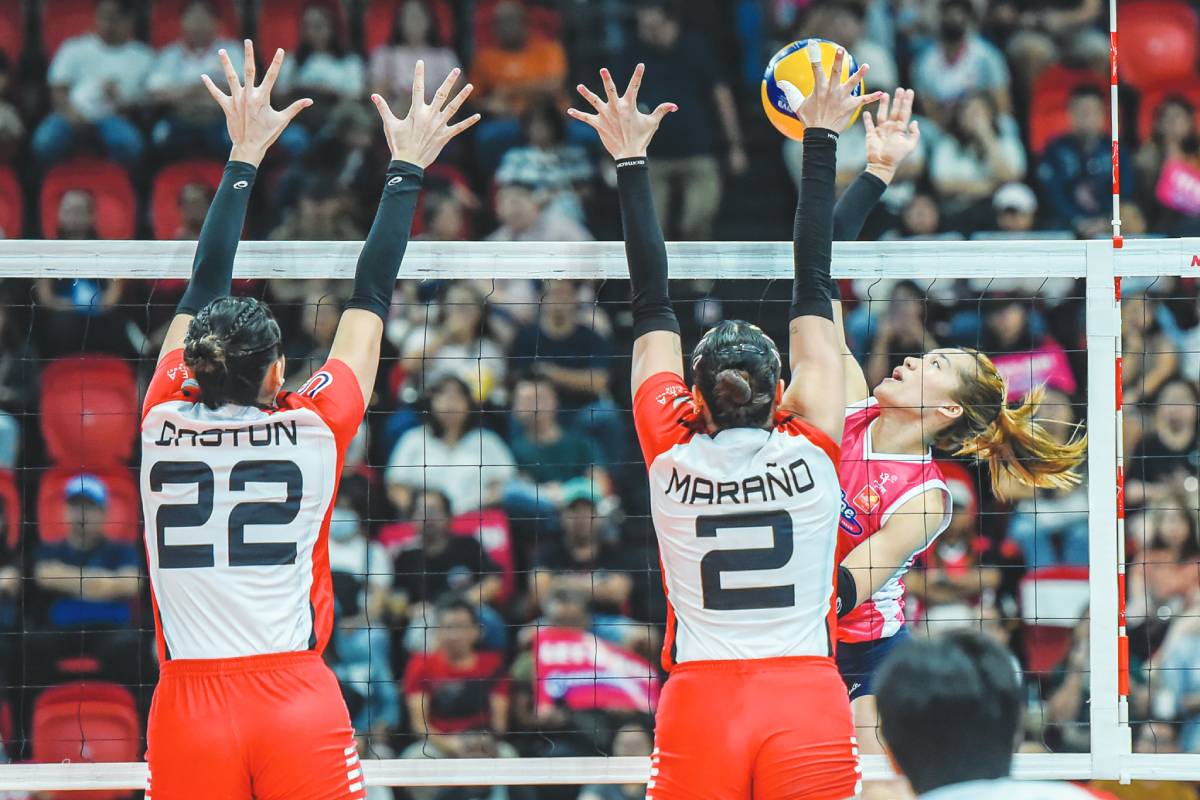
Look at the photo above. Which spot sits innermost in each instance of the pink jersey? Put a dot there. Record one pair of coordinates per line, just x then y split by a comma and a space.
874, 486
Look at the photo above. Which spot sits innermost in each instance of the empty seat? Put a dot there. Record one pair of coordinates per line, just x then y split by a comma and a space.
12, 30
89, 411
123, 518
1053, 600
12, 205
86, 723
63, 19
279, 24
380, 17
165, 14
1158, 41
10, 496
169, 183
116, 203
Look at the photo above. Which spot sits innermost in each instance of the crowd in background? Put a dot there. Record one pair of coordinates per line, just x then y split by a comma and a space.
492, 526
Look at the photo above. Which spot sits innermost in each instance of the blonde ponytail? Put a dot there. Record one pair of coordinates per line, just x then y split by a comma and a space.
1014, 445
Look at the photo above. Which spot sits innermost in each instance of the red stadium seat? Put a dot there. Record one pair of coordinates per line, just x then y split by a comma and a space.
12, 205
10, 495
89, 411
165, 14
116, 203
542, 21
1153, 98
169, 182
12, 30
62, 19
1053, 600
489, 525
1048, 116
86, 723
123, 507
279, 24
381, 14
1158, 41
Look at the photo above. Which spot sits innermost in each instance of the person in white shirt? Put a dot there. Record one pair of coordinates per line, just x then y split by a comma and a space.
961, 62
95, 78
950, 714
414, 37
190, 125
323, 67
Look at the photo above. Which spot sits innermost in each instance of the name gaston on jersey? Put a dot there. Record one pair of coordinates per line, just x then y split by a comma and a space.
272, 433
778, 481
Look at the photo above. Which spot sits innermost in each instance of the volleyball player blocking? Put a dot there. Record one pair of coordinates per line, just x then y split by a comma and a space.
743, 473
239, 478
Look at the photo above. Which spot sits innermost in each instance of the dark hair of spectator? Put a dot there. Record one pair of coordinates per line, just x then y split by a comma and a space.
337, 40
1177, 380
450, 603
991, 341
959, 131
480, 305
545, 111
736, 368
125, 7
949, 709
425, 494
1085, 90
229, 347
432, 34
530, 376
1191, 545
208, 5
441, 384
965, 6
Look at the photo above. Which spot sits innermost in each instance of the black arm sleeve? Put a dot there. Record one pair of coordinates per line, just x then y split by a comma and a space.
855, 205
379, 261
645, 250
212, 269
847, 592
812, 239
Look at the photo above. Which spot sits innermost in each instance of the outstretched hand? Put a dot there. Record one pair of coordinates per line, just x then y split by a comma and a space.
892, 134
425, 130
624, 130
253, 124
831, 104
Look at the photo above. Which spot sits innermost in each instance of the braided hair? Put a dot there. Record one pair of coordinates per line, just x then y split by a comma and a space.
229, 347
736, 368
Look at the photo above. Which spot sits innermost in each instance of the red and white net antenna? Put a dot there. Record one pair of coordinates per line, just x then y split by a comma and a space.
1117, 242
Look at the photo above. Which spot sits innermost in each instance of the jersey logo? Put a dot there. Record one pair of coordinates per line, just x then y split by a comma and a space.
868, 499
849, 521
316, 384
180, 371
670, 392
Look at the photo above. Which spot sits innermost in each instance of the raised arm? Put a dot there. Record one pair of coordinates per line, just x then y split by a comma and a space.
626, 133
415, 142
816, 393
253, 127
889, 141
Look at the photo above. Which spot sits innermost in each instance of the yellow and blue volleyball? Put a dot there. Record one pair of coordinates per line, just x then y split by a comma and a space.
794, 65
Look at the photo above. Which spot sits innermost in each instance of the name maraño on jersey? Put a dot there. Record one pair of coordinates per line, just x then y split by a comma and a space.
267, 434
786, 481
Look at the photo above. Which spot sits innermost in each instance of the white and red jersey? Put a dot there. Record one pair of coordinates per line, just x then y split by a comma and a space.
874, 486
1010, 789
747, 530
237, 503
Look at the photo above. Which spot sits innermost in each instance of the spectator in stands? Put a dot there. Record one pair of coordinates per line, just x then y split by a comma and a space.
1169, 452
189, 125
845, 22
311, 340
901, 331
686, 148
323, 68
12, 128
445, 216
451, 337
1176, 676
414, 38
1016, 207
1041, 35
87, 578
961, 63
319, 215
1162, 576
981, 150
519, 68
1024, 354
631, 740
524, 192
1076, 168
450, 453
1150, 357
546, 148
96, 79
1169, 163
921, 219
360, 646
547, 454
454, 687
10, 573
194, 200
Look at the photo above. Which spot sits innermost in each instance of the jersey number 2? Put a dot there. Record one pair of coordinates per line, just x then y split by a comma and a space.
716, 562
194, 515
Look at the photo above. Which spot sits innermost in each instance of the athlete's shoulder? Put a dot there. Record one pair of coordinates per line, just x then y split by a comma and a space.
792, 425
172, 381
333, 393
664, 413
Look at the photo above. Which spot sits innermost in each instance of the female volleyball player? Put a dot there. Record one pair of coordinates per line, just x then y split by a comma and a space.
238, 482
895, 502
744, 494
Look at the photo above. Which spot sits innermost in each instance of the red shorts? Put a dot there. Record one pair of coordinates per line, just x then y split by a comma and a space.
270, 727
768, 729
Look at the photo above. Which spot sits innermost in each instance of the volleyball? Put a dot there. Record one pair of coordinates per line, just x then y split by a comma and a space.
791, 68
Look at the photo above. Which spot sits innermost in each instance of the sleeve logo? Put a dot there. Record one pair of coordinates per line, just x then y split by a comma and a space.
316, 384
241, 184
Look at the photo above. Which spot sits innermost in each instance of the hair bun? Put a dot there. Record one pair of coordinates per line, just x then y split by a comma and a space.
207, 353
733, 387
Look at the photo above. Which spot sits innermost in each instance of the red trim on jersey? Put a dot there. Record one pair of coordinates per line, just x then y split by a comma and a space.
668, 651
797, 425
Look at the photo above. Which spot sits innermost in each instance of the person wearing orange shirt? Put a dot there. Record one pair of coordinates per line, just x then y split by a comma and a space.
518, 67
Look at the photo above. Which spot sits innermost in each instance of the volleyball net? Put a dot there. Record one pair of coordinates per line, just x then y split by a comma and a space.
499, 600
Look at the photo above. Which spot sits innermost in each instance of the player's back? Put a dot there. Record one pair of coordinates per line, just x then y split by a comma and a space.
746, 522
237, 501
